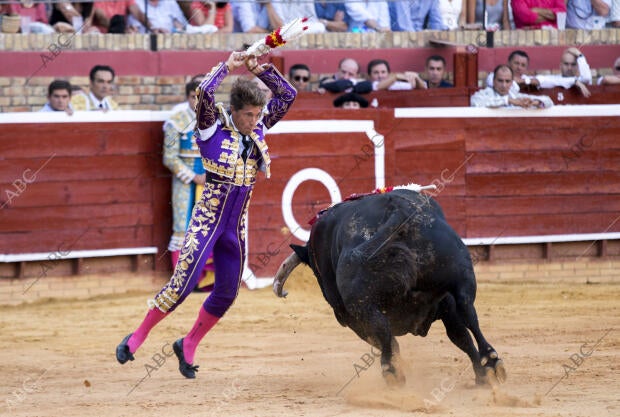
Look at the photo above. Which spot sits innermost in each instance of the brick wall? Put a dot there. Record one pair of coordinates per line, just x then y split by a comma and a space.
136, 92
227, 42
24, 290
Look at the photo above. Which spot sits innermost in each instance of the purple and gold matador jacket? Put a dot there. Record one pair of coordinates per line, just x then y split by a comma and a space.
220, 147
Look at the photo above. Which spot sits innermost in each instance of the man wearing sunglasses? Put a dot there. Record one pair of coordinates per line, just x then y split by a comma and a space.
299, 76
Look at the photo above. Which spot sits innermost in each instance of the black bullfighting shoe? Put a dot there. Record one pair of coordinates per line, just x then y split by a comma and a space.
187, 370
123, 354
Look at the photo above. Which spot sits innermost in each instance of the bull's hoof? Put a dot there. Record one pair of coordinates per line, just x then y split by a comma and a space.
493, 370
393, 376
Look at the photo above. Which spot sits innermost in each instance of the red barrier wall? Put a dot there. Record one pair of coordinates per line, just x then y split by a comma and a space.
100, 184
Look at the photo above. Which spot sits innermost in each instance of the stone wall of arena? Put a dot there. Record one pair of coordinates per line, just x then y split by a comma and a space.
154, 80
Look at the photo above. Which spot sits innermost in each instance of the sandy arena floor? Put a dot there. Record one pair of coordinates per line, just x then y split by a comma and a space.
272, 357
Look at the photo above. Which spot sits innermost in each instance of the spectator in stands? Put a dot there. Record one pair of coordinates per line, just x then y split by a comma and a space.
350, 101
536, 14
453, 13
33, 16
614, 14
65, 14
163, 17
252, 17
368, 16
518, 61
101, 87
347, 79
58, 97
111, 16
286, 11
332, 15
299, 76
574, 71
383, 79
436, 72
185, 104
218, 14
500, 94
414, 16
497, 12
612, 78
587, 14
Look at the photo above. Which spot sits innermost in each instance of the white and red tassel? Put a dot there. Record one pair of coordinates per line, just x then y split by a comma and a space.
279, 37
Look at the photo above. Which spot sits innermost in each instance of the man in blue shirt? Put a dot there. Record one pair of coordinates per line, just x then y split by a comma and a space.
409, 16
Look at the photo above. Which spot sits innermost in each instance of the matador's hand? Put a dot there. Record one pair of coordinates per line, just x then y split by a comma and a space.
235, 60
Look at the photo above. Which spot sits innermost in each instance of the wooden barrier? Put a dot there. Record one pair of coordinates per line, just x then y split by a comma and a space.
96, 181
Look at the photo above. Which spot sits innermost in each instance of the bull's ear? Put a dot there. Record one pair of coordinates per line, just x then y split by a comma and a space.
302, 252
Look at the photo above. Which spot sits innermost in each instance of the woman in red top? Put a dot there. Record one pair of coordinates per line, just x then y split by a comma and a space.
218, 14
534, 14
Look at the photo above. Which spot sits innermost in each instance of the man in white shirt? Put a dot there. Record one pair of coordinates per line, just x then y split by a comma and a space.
500, 95
368, 16
612, 78
587, 14
164, 16
574, 71
518, 61
284, 11
383, 79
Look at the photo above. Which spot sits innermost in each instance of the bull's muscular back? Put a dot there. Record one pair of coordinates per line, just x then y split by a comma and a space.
394, 250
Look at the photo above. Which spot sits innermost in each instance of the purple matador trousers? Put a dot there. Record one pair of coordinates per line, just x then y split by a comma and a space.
217, 225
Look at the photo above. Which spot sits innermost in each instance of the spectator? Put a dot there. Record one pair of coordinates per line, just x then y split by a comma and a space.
436, 72
518, 61
414, 16
453, 13
500, 94
614, 14
347, 79
332, 15
111, 16
587, 14
497, 12
182, 157
383, 79
58, 97
282, 12
536, 14
252, 17
34, 17
218, 14
185, 104
163, 16
574, 71
65, 14
612, 78
350, 101
365, 16
299, 77
101, 87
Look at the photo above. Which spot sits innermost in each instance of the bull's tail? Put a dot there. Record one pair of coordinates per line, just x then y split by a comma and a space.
299, 255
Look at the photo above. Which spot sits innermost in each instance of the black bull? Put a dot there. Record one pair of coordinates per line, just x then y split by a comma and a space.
389, 264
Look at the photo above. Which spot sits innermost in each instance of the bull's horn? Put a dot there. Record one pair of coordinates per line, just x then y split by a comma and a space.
284, 271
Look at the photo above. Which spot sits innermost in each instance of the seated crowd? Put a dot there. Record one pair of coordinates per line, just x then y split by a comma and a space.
505, 86
170, 16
